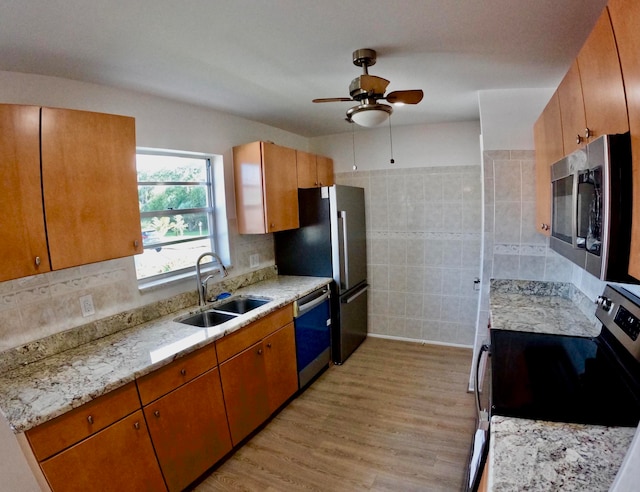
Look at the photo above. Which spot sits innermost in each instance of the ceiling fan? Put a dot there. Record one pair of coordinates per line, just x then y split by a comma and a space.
367, 90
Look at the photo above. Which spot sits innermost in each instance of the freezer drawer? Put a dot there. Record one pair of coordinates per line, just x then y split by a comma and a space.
352, 329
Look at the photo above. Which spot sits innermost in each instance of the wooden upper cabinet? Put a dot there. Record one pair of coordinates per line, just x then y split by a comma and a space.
314, 170
324, 170
547, 134
601, 79
306, 166
89, 182
592, 95
266, 186
23, 248
572, 112
625, 18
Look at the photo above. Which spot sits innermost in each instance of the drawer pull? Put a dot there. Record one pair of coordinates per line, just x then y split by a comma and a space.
90, 419
183, 372
136, 425
269, 345
260, 351
157, 413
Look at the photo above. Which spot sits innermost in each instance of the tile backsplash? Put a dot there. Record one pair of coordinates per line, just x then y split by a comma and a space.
424, 250
39, 306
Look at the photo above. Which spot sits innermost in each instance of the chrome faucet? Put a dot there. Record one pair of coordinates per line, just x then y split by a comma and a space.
202, 284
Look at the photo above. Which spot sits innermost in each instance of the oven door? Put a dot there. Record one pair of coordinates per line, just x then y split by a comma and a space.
480, 443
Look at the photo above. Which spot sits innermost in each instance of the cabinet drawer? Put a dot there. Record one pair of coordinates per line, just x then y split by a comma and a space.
167, 378
236, 342
70, 428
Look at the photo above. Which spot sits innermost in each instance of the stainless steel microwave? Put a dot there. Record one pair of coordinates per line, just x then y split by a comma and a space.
591, 207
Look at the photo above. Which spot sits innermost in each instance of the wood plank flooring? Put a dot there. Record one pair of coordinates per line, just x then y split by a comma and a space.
395, 417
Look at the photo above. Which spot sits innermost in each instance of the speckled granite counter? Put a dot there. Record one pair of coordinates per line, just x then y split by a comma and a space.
548, 456
42, 390
542, 307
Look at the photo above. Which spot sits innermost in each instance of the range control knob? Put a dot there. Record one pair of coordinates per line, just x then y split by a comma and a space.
604, 303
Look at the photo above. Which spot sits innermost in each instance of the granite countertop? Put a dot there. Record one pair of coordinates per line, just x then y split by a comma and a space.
43, 390
542, 307
543, 456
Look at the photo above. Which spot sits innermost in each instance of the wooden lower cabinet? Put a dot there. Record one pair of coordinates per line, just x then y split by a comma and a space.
244, 382
258, 380
119, 457
280, 366
189, 429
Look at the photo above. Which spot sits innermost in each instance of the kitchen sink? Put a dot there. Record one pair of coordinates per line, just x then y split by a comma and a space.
241, 305
206, 319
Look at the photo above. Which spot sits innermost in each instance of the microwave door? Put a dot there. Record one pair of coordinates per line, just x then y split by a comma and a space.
586, 199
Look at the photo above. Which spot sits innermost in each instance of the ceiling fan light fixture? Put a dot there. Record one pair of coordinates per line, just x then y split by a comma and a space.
369, 115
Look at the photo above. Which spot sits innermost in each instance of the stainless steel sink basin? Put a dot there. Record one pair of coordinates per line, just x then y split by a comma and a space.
206, 319
241, 305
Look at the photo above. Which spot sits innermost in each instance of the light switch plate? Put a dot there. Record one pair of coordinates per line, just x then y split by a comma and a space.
86, 305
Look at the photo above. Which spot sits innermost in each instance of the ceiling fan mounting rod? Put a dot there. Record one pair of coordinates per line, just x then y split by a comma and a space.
364, 58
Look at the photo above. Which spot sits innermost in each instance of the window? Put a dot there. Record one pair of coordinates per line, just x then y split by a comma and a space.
177, 212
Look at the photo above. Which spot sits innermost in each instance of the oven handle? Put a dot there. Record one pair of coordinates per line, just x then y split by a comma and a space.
483, 416
304, 308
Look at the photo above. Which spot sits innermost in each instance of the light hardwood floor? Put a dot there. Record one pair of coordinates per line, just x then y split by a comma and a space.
395, 417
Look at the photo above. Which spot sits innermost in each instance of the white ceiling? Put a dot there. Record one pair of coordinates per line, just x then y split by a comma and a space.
266, 59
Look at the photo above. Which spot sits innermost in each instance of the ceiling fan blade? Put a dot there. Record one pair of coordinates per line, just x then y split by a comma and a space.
332, 99
406, 97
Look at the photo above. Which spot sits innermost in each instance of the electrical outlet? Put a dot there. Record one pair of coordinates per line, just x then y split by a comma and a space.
86, 305
254, 261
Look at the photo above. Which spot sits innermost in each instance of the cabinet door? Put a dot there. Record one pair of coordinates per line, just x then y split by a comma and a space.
280, 187
601, 79
189, 429
324, 169
280, 364
23, 249
625, 17
119, 457
244, 384
247, 173
306, 168
547, 134
572, 113
90, 186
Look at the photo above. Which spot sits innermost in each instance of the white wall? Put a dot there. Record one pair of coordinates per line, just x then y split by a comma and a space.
507, 117
444, 144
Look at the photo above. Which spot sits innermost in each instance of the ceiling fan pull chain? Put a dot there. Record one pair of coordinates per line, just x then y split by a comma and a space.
391, 161
353, 142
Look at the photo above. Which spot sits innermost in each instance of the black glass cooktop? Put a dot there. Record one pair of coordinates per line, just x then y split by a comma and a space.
562, 378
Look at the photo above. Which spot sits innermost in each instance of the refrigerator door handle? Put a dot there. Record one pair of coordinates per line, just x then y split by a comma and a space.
483, 414
356, 295
344, 253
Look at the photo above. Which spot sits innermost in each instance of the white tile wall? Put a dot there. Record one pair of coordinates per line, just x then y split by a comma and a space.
424, 244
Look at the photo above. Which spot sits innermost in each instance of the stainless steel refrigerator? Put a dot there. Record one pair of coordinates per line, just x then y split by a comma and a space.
331, 242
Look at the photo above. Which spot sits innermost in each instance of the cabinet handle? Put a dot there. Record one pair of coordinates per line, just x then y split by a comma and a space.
544, 227
90, 419
587, 133
136, 243
260, 351
157, 413
136, 425
578, 139
37, 261
272, 225
268, 345
183, 372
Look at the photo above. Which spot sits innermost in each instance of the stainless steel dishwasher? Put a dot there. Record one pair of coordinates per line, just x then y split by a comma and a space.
312, 321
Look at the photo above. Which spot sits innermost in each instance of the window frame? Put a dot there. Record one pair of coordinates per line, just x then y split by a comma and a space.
214, 211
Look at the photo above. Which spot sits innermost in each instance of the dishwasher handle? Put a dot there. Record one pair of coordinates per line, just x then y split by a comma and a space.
305, 307
483, 414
